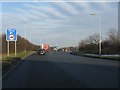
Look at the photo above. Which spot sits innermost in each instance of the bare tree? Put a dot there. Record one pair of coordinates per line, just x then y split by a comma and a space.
82, 43
90, 44
110, 45
113, 36
93, 39
114, 40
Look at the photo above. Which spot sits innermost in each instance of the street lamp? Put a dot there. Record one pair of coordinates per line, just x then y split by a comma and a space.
100, 50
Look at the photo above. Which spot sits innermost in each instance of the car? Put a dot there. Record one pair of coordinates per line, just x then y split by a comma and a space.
73, 52
41, 52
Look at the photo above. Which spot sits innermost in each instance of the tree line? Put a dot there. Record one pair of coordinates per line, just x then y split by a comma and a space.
22, 44
110, 45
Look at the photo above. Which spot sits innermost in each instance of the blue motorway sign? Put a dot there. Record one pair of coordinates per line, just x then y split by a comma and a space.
11, 34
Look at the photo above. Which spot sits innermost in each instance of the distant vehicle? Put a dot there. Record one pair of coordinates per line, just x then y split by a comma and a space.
41, 52
73, 52
45, 47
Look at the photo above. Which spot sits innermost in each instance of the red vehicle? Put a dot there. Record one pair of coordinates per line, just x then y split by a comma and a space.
45, 47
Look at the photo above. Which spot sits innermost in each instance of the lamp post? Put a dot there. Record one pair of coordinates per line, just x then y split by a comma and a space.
100, 50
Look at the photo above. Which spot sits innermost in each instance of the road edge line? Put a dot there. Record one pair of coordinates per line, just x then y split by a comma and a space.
16, 65
28, 55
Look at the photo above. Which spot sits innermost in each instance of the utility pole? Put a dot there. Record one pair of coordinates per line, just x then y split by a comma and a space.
100, 36
100, 45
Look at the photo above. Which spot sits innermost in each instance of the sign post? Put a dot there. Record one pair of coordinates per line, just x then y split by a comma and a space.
8, 49
15, 48
11, 36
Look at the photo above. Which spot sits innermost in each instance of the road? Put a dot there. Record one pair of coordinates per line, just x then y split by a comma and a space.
63, 70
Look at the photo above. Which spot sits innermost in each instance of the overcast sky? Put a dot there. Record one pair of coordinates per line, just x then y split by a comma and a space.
59, 23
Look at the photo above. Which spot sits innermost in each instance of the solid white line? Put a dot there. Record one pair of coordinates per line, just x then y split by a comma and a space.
16, 65
28, 55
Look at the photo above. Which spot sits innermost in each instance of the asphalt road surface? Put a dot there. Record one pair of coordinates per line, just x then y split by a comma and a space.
63, 70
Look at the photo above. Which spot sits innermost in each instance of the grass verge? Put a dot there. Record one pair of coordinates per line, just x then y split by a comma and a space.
117, 58
9, 62
18, 55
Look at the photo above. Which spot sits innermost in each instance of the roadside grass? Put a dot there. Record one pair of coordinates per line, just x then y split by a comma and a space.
9, 62
18, 55
0, 57
112, 57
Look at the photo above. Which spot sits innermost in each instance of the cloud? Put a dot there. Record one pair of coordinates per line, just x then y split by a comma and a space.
50, 11
61, 0
66, 7
63, 23
31, 14
84, 6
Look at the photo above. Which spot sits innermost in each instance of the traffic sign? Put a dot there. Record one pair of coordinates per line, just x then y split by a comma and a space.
11, 34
